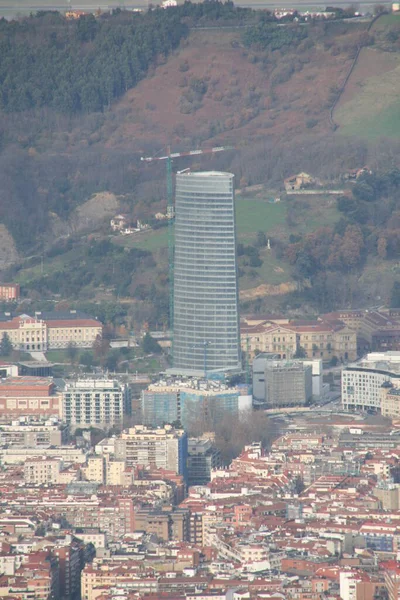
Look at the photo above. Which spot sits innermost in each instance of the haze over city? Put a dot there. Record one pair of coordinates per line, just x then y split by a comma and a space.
199, 300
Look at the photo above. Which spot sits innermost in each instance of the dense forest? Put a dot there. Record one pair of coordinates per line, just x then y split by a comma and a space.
81, 64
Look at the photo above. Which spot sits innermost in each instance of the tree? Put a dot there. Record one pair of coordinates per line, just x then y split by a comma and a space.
86, 359
150, 345
298, 485
6, 346
261, 241
300, 353
395, 295
72, 352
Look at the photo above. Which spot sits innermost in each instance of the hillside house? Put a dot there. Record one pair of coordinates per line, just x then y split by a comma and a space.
299, 181
119, 222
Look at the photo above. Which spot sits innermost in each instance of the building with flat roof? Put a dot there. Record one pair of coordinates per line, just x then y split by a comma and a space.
28, 396
287, 383
95, 402
362, 382
34, 434
162, 448
203, 457
206, 324
191, 400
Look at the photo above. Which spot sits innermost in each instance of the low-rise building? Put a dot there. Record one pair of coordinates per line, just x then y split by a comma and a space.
34, 434
50, 330
9, 292
29, 397
320, 339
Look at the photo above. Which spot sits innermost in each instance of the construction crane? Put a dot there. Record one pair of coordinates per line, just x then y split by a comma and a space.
170, 210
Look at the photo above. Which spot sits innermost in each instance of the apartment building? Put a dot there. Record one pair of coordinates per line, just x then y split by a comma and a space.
365, 383
168, 524
28, 396
165, 448
33, 434
94, 402
319, 339
41, 470
50, 330
390, 400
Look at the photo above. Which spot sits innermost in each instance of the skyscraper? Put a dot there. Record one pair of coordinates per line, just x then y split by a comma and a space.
206, 324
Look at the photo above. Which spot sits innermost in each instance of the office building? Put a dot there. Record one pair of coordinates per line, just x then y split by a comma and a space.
259, 365
203, 457
287, 383
189, 401
162, 448
206, 325
98, 403
362, 382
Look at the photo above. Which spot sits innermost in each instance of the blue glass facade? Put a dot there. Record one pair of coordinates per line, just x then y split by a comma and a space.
206, 324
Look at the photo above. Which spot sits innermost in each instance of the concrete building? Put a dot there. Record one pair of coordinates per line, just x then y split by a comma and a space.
42, 470
362, 382
164, 448
34, 434
203, 457
390, 400
168, 524
189, 400
28, 397
287, 384
94, 402
95, 470
68, 454
206, 324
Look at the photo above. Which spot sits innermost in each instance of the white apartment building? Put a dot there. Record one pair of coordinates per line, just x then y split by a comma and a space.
362, 382
92, 402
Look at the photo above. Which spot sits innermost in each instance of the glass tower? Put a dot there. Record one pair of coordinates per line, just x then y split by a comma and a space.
206, 324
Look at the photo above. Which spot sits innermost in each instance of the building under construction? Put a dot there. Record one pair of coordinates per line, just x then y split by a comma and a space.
287, 383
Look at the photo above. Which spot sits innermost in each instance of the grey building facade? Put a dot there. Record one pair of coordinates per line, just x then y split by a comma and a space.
206, 323
287, 384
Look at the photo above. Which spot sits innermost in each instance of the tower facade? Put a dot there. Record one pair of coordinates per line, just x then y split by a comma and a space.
206, 323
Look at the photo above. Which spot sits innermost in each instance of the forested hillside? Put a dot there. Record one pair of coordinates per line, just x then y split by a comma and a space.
82, 100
